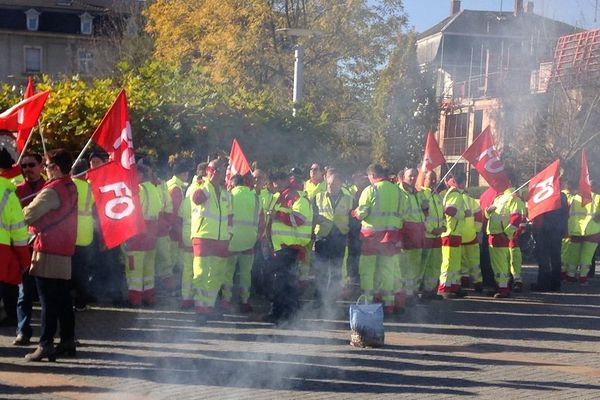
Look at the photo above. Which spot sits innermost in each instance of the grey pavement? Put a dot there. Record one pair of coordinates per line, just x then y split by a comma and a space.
528, 346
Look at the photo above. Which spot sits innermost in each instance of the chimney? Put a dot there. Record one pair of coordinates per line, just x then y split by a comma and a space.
518, 7
454, 7
529, 8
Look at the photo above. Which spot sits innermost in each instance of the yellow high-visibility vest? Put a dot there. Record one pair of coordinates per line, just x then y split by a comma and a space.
85, 220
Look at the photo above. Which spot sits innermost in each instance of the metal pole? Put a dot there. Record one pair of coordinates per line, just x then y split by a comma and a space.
298, 76
82, 151
24, 148
42, 137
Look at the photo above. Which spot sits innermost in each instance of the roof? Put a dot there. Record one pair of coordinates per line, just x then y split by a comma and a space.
496, 23
97, 6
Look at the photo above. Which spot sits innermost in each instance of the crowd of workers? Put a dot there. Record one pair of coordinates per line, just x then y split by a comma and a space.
218, 239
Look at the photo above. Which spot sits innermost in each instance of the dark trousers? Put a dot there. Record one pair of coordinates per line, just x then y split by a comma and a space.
27, 290
547, 252
286, 296
9, 294
329, 256
80, 275
484, 262
107, 272
57, 306
354, 246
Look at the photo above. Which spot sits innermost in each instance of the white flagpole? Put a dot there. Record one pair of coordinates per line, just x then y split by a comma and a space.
24, 148
42, 137
82, 152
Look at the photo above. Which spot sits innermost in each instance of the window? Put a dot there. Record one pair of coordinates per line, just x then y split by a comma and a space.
33, 19
86, 24
455, 134
85, 61
33, 60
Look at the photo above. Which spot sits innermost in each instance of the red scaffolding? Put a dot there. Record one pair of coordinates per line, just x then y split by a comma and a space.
577, 56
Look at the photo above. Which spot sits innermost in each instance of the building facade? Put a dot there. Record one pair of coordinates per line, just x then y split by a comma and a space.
61, 37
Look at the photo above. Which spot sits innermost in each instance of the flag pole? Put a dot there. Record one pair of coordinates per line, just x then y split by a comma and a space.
521, 187
82, 152
42, 137
24, 148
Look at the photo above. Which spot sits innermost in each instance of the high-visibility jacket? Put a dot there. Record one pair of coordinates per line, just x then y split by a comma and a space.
245, 206
85, 220
413, 229
176, 189
333, 214
472, 223
435, 218
581, 219
379, 209
14, 251
185, 213
210, 219
507, 214
166, 210
151, 202
292, 223
454, 211
267, 200
312, 188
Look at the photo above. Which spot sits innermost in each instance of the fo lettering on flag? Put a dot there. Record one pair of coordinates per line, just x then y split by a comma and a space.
115, 184
585, 186
544, 191
482, 154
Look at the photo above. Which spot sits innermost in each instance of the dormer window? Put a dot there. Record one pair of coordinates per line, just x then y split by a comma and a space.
86, 23
33, 19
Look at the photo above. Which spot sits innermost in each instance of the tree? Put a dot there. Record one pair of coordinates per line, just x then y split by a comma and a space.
404, 108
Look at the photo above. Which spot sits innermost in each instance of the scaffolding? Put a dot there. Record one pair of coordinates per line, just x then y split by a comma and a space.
577, 58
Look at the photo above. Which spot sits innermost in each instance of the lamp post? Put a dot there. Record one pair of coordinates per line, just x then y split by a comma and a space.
298, 61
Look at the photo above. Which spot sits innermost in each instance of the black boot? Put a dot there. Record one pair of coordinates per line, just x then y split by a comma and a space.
42, 352
66, 347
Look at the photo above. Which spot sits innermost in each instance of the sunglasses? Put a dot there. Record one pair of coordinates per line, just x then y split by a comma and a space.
29, 165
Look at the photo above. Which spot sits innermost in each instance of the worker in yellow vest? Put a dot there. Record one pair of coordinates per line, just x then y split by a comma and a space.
516, 258
263, 248
566, 241
165, 260
331, 211
584, 233
413, 237
455, 213
246, 209
470, 269
435, 225
504, 217
176, 187
379, 212
211, 209
316, 183
291, 231
141, 249
82, 257
14, 251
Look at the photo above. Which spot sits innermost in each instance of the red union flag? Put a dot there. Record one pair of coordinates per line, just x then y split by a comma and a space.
117, 198
114, 133
433, 157
238, 163
585, 186
115, 184
544, 191
23, 133
25, 114
482, 154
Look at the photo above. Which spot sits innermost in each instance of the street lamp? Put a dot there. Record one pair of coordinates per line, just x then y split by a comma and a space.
299, 60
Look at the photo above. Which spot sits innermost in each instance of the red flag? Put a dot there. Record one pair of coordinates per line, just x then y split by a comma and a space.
23, 134
432, 158
25, 114
482, 154
116, 192
544, 191
114, 133
238, 163
585, 186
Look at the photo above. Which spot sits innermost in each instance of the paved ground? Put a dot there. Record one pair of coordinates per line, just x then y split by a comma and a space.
530, 346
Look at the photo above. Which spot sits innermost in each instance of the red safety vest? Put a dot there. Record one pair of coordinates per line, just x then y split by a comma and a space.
57, 230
